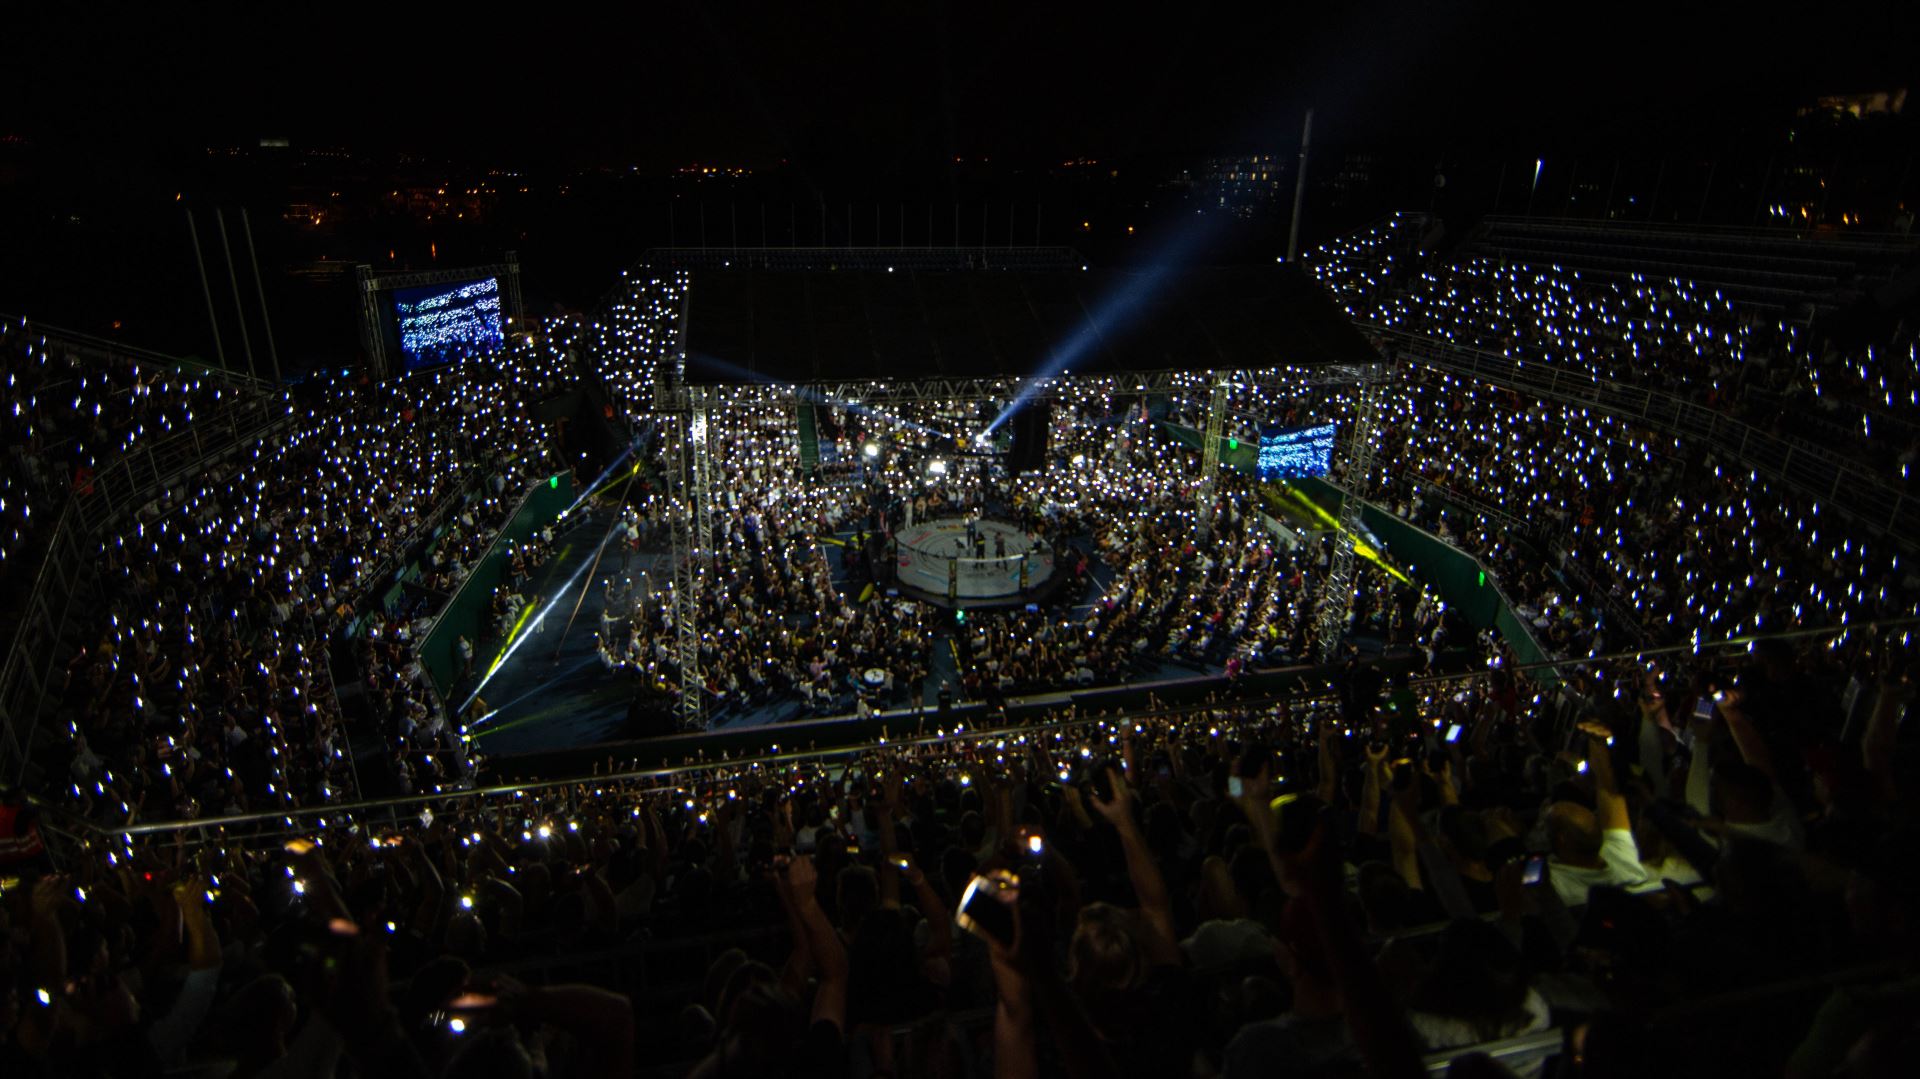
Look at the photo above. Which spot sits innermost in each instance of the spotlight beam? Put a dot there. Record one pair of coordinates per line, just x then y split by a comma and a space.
1136, 293
528, 624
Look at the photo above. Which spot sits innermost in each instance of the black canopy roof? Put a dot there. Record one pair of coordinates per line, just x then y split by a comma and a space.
798, 326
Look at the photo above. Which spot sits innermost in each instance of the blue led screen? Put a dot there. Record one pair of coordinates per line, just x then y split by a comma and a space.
1296, 451
443, 323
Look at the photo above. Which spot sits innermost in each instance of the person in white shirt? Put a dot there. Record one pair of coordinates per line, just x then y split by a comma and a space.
1594, 846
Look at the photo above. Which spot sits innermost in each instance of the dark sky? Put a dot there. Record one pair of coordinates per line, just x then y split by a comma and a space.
823, 80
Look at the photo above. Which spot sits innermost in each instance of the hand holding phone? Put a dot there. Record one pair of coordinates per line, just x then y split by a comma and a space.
987, 908
1535, 869
1703, 709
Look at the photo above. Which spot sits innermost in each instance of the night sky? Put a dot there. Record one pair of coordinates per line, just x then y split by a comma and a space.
826, 85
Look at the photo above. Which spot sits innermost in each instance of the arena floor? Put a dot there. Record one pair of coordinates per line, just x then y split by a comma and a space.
554, 693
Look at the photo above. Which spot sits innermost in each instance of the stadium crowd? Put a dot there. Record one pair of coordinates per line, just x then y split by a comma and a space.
1621, 533
1811, 378
1332, 885
206, 685
1697, 864
68, 412
1209, 591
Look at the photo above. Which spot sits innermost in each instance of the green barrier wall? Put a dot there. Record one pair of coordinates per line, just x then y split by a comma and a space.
545, 501
1457, 576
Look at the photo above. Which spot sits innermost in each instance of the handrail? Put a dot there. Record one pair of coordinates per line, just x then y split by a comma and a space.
1637, 655
1475, 505
62, 553
424, 526
1540, 1043
146, 467
1889, 240
34, 651
105, 347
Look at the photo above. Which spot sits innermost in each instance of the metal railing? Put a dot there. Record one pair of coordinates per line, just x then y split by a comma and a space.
1769, 267
1866, 242
34, 658
121, 486
88, 346
384, 571
1827, 477
282, 822
1526, 532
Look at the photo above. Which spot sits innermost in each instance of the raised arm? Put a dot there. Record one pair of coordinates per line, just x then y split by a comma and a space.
1753, 748
1142, 870
1387, 1044
1608, 803
1015, 1048
830, 1001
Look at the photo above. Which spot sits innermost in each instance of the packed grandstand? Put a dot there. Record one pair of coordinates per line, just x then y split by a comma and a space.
1599, 769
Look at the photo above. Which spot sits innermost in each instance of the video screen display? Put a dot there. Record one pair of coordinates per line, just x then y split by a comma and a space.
1295, 452
444, 323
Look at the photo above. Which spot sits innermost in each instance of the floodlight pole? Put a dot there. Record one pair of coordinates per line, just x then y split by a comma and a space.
233, 281
1299, 190
273, 354
213, 320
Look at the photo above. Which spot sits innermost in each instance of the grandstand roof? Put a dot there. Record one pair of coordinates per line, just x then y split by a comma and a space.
800, 326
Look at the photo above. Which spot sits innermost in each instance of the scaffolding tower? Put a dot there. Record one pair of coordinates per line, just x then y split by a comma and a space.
1210, 447
689, 500
1336, 593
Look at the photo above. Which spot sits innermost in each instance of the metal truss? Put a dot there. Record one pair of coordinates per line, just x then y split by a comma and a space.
882, 392
1336, 593
686, 584
1210, 447
371, 337
867, 258
1333, 374
878, 392
388, 282
700, 468
688, 493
